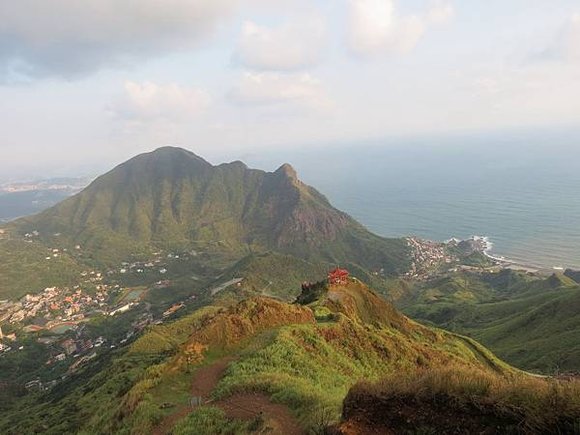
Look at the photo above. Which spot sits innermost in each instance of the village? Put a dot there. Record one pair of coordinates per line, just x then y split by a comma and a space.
59, 318
56, 307
427, 257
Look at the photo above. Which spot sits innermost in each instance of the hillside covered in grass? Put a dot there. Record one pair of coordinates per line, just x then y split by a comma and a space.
533, 322
171, 197
296, 362
29, 267
171, 200
459, 401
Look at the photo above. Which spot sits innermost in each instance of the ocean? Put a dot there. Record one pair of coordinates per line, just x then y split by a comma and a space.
522, 194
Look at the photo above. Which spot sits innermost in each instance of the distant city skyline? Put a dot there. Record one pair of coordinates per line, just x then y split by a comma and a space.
234, 78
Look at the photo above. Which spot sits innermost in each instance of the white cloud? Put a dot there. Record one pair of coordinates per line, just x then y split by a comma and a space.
571, 38
147, 101
564, 46
377, 27
71, 38
293, 45
299, 91
440, 12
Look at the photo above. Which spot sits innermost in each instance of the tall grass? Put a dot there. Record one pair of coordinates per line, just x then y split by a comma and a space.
209, 420
538, 405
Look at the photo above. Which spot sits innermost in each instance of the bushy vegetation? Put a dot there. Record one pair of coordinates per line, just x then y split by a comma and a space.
477, 259
276, 274
310, 368
438, 399
110, 396
312, 292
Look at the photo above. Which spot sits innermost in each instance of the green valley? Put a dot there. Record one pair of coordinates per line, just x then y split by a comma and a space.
532, 321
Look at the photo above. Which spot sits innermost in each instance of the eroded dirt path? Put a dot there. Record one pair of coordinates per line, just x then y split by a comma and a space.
207, 377
244, 406
171, 420
247, 406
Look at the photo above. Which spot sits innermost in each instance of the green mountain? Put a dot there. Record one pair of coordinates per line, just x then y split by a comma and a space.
171, 197
174, 200
532, 322
256, 364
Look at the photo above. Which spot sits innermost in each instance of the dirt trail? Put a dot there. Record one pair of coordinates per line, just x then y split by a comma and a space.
206, 378
204, 381
247, 406
243, 406
171, 420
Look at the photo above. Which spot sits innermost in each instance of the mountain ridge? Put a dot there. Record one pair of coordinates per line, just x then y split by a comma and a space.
174, 199
302, 357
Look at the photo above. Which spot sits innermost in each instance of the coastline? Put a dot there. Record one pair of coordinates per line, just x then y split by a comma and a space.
507, 263
486, 247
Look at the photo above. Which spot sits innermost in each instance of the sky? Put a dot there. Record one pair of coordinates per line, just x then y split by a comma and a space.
85, 84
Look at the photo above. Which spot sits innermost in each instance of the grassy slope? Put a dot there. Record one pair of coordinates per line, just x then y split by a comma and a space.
460, 401
93, 399
532, 323
280, 349
274, 274
172, 200
310, 367
25, 269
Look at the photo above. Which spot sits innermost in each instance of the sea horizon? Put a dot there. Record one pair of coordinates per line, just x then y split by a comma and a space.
521, 194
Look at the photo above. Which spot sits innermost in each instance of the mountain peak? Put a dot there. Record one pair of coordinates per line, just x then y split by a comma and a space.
287, 170
171, 197
172, 151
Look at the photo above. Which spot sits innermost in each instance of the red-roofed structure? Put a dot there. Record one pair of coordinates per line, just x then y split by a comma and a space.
338, 276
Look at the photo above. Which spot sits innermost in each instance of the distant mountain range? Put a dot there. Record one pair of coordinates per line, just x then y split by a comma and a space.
70, 184
19, 199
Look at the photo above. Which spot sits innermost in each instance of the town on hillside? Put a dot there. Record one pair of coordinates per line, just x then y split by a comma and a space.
61, 319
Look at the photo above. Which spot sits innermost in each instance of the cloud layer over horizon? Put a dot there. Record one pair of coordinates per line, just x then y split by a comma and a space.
70, 39
115, 77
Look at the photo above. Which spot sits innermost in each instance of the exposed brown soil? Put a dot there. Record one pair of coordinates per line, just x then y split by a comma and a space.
207, 377
359, 427
204, 381
246, 406
171, 420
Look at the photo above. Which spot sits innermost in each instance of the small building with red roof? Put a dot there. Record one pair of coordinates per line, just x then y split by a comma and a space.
338, 276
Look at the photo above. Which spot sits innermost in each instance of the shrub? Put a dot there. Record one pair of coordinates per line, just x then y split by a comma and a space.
518, 403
